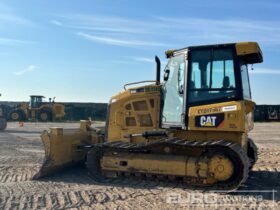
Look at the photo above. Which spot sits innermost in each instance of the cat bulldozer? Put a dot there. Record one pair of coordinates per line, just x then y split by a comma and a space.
192, 127
37, 110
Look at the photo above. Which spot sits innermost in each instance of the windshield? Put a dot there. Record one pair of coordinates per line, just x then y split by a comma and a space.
212, 75
35, 101
173, 90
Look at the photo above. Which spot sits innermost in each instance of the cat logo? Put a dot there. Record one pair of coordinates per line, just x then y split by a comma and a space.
212, 120
208, 121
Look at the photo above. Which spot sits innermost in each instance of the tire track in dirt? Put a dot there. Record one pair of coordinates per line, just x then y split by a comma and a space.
111, 194
17, 174
19, 160
273, 152
273, 164
106, 197
21, 157
67, 198
61, 200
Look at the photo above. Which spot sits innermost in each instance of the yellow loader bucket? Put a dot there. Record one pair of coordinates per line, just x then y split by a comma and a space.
61, 148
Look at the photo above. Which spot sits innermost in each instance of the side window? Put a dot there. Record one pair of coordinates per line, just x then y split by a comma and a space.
245, 82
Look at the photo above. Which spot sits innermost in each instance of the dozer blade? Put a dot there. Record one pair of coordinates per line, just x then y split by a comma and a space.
62, 149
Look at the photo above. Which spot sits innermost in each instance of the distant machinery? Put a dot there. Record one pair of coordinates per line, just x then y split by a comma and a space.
37, 109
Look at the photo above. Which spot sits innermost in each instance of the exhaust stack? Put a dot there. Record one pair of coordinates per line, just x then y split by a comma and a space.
157, 70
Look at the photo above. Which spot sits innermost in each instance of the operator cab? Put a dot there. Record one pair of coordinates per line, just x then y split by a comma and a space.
36, 101
205, 75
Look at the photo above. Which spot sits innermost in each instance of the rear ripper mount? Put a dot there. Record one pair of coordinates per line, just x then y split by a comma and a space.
211, 168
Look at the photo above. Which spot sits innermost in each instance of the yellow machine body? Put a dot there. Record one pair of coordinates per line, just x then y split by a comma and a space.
57, 111
139, 112
210, 147
134, 111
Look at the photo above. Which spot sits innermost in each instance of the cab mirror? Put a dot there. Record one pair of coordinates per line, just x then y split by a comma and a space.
166, 75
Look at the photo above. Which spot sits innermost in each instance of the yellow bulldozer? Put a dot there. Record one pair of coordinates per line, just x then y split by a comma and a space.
193, 126
37, 110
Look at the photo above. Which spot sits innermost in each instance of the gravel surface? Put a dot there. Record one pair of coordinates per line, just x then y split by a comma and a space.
21, 154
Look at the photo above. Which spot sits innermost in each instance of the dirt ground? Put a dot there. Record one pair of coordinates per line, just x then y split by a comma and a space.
21, 153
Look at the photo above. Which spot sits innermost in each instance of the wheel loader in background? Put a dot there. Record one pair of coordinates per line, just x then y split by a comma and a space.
192, 127
37, 109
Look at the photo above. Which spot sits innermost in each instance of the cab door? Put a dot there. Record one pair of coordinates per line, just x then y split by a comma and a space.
173, 113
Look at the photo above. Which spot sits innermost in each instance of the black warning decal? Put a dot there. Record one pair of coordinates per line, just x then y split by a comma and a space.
211, 120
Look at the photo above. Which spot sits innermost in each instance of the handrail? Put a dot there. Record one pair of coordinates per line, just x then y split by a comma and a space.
134, 83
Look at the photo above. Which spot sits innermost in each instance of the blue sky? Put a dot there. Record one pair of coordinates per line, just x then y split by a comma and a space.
86, 50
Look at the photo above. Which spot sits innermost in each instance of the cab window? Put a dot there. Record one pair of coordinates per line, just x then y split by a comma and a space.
245, 82
212, 75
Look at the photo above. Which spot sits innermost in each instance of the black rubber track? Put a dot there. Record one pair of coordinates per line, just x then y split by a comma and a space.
209, 148
252, 152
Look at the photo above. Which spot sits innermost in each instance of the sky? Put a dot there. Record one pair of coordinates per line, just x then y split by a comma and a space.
86, 50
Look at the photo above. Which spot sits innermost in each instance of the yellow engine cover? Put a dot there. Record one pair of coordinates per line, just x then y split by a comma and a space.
134, 111
228, 116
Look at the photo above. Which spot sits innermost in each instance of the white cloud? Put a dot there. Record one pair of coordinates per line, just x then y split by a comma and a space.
183, 31
13, 42
106, 23
131, 60
13, 19
149, 60
116, 23
10, 17
119, 42
143, 59
197, 30
30, 68
55, 22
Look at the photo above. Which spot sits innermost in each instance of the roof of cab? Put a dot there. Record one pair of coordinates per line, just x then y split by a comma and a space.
37, 96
